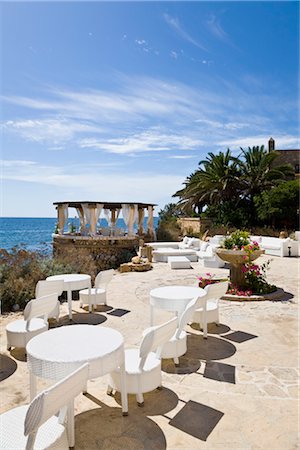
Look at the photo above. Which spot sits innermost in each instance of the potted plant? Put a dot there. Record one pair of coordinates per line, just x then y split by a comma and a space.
237, 249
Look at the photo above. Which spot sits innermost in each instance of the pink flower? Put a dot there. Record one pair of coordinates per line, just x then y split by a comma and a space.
208, 274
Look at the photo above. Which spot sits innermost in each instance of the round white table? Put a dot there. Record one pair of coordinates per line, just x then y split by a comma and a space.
173, 298
59, 351
72, 282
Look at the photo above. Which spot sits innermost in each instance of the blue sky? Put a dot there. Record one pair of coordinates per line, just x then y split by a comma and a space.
120, 101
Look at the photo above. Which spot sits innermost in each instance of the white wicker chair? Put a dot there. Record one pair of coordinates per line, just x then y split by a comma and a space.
46, 287
142, 365
96, 295
19, 332
177, 345
209, 309
36, 426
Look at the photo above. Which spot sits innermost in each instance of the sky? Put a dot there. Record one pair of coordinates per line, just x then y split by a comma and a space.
119, 101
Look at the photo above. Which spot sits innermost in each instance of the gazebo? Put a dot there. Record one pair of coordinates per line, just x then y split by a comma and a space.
110, 246
89, 214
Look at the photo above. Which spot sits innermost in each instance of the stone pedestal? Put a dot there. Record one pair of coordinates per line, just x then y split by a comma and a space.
236, 259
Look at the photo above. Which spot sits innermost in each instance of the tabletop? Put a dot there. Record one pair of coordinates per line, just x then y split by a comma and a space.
176, 292
173, 298
59, 351
70, 277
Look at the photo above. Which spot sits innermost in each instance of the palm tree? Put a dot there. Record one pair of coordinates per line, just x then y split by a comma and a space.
216, 181
258, 172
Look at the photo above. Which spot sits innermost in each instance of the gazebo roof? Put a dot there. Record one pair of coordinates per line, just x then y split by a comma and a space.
107, 205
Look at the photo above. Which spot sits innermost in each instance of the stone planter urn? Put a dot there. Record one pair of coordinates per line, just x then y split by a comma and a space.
236, 259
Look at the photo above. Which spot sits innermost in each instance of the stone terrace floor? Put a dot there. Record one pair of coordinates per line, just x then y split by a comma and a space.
236, 390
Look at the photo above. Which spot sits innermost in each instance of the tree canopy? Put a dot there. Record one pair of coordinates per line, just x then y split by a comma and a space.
228, 185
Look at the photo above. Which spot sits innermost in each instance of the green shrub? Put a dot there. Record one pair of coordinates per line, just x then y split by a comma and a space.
20, 270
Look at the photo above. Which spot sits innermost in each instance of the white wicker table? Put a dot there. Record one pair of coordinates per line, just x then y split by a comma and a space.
173, 298
72, 282
59, 351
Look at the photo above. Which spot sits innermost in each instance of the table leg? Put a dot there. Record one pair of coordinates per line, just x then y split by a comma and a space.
151, 315
124, 398
90, 299
32, 383
69, 296
204, 322
70, 425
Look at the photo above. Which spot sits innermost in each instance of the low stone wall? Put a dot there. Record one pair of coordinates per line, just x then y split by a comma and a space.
107, 252
194, 225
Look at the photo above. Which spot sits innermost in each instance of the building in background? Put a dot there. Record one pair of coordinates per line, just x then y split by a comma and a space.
290, 156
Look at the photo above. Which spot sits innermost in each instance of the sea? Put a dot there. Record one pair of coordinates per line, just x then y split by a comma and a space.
36, 233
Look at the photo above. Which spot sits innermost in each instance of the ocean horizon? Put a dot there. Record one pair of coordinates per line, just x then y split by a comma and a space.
35, 233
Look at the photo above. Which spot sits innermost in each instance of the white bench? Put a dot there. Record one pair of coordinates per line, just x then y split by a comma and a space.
179, 262
162, 254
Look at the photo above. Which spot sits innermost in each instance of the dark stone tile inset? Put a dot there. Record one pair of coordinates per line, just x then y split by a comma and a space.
197, 420
219, 372
239, 336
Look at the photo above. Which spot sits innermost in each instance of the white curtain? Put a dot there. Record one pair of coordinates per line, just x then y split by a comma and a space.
125, 213
141, 213
107, 213
81, 220
98, 211
133, 217
113, 224
87, 215
94, 217
151, 230
62, 212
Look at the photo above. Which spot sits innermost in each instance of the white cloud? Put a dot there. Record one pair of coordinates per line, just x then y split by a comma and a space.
147, 141
215, 28
175, 25
173, 54
49, 130
182, 156
281, 142
201, 117
88, 182
140, 41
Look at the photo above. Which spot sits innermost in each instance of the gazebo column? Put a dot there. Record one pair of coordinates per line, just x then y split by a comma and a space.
80, 213
150, 222
113, 218
141, 222
62, 217
93, 220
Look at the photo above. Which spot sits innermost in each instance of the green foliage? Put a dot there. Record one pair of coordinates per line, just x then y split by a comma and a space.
20, 270
228, 185
230, 214
279, 205
170, 211
255, 277
236, 240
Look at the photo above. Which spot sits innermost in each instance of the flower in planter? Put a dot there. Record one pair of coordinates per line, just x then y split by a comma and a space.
209, 279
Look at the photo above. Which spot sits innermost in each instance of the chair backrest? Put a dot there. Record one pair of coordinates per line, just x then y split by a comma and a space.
103, 278
51, 400
216, 291
40, 307
155, 337
46, 287
186, 316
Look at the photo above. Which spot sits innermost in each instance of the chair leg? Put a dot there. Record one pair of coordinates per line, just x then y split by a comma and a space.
109, 390
140, 399
205, 330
